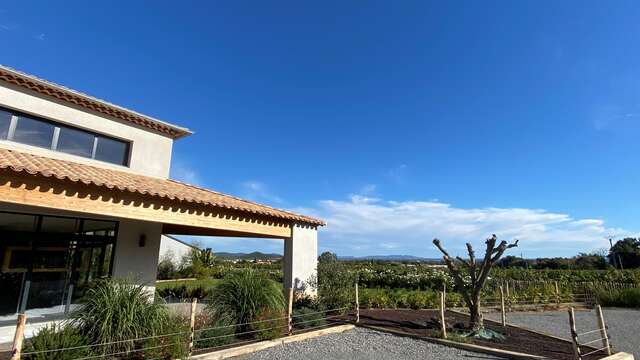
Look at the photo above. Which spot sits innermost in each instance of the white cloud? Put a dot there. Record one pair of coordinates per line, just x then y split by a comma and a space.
258, 191
369, 226
39, 37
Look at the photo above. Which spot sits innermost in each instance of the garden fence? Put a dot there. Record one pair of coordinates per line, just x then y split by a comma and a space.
204, 339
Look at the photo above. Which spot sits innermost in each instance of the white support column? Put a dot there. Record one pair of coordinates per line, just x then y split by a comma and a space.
300, 257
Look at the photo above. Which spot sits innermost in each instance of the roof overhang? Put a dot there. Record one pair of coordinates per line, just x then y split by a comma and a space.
177, 217
91, 103
183, 209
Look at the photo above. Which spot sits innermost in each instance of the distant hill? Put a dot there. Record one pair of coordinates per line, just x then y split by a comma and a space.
247, 256
262, 256
389, 258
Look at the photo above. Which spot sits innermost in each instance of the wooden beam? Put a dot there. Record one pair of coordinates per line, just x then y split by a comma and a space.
52, 193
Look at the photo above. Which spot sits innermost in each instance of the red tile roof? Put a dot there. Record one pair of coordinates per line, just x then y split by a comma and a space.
88, 102
143, 185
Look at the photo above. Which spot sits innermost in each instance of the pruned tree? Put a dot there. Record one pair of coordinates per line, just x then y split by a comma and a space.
478, 272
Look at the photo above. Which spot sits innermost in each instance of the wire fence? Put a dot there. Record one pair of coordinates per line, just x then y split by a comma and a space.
222, 336
198, 340
584, 348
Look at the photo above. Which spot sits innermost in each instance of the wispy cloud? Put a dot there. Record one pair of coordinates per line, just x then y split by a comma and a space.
398, 173
8, 27
368, 189
363, 226
258, 191
609, 116
39, 37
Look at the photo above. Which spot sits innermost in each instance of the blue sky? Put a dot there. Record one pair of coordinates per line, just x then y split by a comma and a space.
394, 121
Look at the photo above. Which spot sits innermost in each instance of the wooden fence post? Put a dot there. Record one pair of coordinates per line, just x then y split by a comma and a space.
16, 349
502, 310
508, 296
192, 324
603, 330
557, 289
357, 305
574, 335
290, 310
443, 323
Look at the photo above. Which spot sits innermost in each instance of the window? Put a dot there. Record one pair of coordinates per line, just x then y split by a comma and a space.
43, 133
5, 122
76, 142
112, 151
34, 132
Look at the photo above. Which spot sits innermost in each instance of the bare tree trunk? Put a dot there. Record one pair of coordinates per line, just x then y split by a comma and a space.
478, 273
476, 321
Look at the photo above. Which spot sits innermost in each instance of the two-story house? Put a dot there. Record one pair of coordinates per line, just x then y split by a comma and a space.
85, 193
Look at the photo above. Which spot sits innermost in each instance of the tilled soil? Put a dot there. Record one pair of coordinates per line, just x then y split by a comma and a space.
423, 322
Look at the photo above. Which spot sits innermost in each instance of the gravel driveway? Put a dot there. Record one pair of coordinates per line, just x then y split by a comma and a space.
362, 344
623, 324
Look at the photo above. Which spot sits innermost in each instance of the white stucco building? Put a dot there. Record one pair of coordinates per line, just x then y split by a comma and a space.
174, 249
85, 193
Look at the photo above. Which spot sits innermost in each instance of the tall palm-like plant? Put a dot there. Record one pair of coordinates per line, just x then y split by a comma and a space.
240, 297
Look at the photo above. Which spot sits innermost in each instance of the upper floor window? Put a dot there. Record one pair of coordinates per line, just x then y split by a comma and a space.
47, 134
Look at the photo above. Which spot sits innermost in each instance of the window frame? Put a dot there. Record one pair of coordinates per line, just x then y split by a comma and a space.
15, 118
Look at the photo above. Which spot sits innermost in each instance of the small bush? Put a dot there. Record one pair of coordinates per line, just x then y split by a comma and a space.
304, 318
629, 298
56, 336
211, 333
241, 296
116, 310
272, 325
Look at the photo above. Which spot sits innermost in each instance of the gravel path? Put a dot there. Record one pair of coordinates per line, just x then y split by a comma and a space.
361, 344
623, 324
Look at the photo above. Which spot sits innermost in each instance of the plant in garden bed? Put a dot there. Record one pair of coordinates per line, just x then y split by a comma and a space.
621, 298
335, 283
112, 315
211, 333
304, 318
113, 311
57, 336
242, 296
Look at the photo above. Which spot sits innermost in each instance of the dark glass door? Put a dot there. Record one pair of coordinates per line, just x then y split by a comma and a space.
48, 262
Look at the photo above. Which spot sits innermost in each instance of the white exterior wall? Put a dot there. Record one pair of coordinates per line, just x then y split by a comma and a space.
133, 261
150, 151
173, 248
300, 257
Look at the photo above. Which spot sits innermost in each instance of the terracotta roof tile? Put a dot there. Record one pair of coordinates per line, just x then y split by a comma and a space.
144, 185
89, 102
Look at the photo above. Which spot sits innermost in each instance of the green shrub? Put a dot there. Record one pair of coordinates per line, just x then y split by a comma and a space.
335, 285
621, 298
211, 333
241, 296
304, 318
117, 310
56, 336
272, 324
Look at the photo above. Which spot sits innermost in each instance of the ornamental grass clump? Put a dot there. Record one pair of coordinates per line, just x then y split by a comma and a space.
115, 312
240, 297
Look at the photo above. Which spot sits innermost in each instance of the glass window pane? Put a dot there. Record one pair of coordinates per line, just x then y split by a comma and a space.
98, 227
5, 121
113, 151
17, 222
34, 132
59, 225
76, 142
